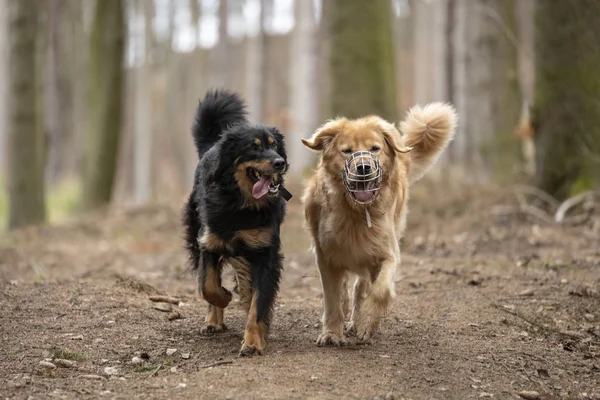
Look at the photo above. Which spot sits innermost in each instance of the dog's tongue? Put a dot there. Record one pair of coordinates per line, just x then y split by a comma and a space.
363, 195
261, 187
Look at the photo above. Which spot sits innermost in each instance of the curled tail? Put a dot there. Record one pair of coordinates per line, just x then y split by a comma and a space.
428, 130
218, 110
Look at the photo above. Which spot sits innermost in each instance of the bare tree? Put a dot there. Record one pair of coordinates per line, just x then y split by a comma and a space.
567, 117
25, 128
222, 65
362, 59
254, 68
486, 87
3, 84
107, 44
303, 82
142, 151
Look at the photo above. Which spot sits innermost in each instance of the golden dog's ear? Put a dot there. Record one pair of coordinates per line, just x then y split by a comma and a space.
392, 137
323, 136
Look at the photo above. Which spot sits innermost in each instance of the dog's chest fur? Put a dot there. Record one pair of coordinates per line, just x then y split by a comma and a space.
350, 243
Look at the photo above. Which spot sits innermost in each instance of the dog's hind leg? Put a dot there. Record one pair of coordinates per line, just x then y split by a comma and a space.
333, 315
214, 320
265, 285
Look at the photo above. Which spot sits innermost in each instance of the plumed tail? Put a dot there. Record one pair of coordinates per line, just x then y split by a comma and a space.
428, 130
218, 110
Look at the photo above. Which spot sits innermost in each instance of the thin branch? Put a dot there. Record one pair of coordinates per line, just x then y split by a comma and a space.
531, 321
216, 364
540, 194
570, 203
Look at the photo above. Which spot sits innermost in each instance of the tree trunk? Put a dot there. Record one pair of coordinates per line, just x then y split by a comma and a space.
59, 70
106, 86
3, 86
26, 135
567, 105
142, 140
303, 83
486, 84
222, 68
362, 59
254, 69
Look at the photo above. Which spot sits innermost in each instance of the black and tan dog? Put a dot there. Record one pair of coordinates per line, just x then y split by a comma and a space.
234, 212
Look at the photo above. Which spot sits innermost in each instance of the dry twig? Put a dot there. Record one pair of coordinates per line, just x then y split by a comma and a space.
216, 364
533, 322
164, 299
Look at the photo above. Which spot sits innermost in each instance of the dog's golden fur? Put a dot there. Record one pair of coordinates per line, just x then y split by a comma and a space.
343, 242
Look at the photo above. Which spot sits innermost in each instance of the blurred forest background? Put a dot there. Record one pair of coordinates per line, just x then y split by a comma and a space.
97, 96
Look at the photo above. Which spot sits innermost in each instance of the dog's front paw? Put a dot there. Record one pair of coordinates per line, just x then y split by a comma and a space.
217, 297
250, 350
331, 339
350, 328
211, 329
365, 332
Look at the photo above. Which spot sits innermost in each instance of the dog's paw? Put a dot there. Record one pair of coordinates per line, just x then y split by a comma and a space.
350, 328
331, 339
250, 350
364, 334
211, 329
218, 298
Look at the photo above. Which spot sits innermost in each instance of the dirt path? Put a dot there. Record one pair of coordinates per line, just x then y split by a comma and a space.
471, 278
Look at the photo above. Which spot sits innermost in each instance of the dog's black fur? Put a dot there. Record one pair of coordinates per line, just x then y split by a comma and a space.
220, 202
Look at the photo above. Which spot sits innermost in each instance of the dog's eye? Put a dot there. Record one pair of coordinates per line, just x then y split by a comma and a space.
375, 149
347, 151
255, 147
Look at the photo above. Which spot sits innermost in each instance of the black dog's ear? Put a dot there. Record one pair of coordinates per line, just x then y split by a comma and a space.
226, 158
280, 140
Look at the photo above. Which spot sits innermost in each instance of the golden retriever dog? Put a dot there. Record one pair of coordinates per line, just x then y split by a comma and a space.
356, 205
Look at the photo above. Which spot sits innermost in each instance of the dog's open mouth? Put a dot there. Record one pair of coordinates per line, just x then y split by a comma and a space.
363, 191
263, 183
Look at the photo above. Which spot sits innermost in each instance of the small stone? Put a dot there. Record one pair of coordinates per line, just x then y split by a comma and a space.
103, 361
164, 307
47, 364
316, 325
185, 356
92, 377
111, 371
527, 292
98, 340
65, 363
183, 385
78, 337
173, 369
389, 396
170, 352
589, 317
136, 361
486, 395
14, 283
529, 395
174, 316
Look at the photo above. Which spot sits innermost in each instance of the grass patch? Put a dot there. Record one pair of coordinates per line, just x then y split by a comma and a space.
67, 355
145, 368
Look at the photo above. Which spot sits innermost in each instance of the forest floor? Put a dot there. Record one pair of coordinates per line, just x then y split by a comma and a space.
490, 303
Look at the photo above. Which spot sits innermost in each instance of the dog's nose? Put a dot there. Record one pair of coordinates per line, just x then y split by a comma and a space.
279, 163
363, 169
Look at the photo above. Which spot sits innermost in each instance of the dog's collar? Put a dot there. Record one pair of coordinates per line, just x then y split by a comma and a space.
285, 194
